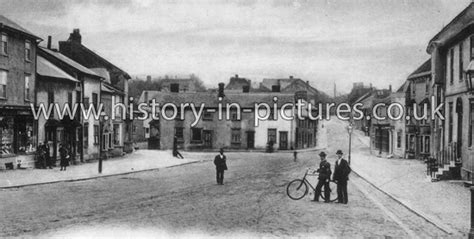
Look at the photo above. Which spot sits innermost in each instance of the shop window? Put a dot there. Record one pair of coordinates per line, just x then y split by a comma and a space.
96, 134
6, 135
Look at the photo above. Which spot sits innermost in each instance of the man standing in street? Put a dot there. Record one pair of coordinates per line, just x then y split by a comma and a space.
221, 165
324, 176
341, 176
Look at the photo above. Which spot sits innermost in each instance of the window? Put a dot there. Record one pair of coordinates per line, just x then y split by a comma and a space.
451, 66
196, 134
95, 101
27, 50
450, 126
3, 84
69, 99
178, 114
27, 87
147, 130
427, 86
178, 132
272, 115
272, 135
208, 116
86, 135
96, 134
461, 70
399, 139
4, 44
110, 141
235, 136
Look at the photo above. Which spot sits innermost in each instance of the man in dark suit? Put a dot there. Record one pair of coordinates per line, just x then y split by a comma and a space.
324, 176
221, 166
341, 176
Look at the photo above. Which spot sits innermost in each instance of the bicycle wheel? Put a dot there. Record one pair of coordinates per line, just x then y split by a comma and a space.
297, 189
332, 190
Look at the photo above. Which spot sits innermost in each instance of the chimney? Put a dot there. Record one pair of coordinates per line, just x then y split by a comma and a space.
371, 86
390, 88
291, 77
236, 76
75, 36
221, 90
49, 42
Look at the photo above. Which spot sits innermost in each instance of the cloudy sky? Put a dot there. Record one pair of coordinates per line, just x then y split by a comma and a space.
341, 41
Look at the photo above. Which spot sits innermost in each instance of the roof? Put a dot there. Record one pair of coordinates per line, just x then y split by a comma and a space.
245, 100
126, 75
5, 22
46, 68
423, 70
237, 83
404, 87
462, 20
70, 62
104, 73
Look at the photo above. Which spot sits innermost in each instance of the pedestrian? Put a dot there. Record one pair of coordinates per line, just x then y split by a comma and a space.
341, 176
176, 153
324, 171
49, 162
40, 161
295, 154
221, 166
63, 153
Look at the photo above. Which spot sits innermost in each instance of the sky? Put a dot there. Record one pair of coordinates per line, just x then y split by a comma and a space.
329, 42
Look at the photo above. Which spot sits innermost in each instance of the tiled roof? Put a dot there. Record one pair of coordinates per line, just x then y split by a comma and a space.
46, 68
5, 22
245, 100
424, 69
70, 62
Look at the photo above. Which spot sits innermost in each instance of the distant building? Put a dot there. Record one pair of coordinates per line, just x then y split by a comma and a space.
180, 85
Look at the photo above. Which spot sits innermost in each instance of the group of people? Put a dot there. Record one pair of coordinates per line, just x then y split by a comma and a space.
340, 176
45, 160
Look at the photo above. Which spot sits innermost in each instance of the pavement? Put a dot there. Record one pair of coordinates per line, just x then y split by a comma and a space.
138, 161
445, 203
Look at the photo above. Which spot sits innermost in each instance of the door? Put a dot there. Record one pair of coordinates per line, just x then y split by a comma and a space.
250, 139
207, 135
154, 139
283, 140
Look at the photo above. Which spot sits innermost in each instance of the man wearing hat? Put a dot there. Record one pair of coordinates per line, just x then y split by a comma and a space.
341, 176
324, 176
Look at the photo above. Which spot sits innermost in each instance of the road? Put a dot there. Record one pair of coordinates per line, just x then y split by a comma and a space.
186, 201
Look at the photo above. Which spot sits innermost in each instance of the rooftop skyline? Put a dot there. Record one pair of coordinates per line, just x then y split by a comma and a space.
378, 42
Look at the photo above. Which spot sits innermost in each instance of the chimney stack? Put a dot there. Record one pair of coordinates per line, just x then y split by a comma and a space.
236, 76
291, 77
221, 90
390, 88
75, 36
49, 42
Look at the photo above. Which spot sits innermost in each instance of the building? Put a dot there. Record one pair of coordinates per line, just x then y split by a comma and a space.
234, 132
452, 54
87, 140
56, 86
191, 84
17, 92
114, 87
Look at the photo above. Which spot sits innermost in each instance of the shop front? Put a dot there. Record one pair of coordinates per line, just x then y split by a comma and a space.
18, 139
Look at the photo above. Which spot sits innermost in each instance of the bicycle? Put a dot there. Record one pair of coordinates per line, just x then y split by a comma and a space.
298, 188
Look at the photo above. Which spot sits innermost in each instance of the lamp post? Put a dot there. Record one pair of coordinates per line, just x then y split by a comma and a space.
349, 130
102, 117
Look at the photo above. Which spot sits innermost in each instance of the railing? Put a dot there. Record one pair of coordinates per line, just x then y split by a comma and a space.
443, 157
